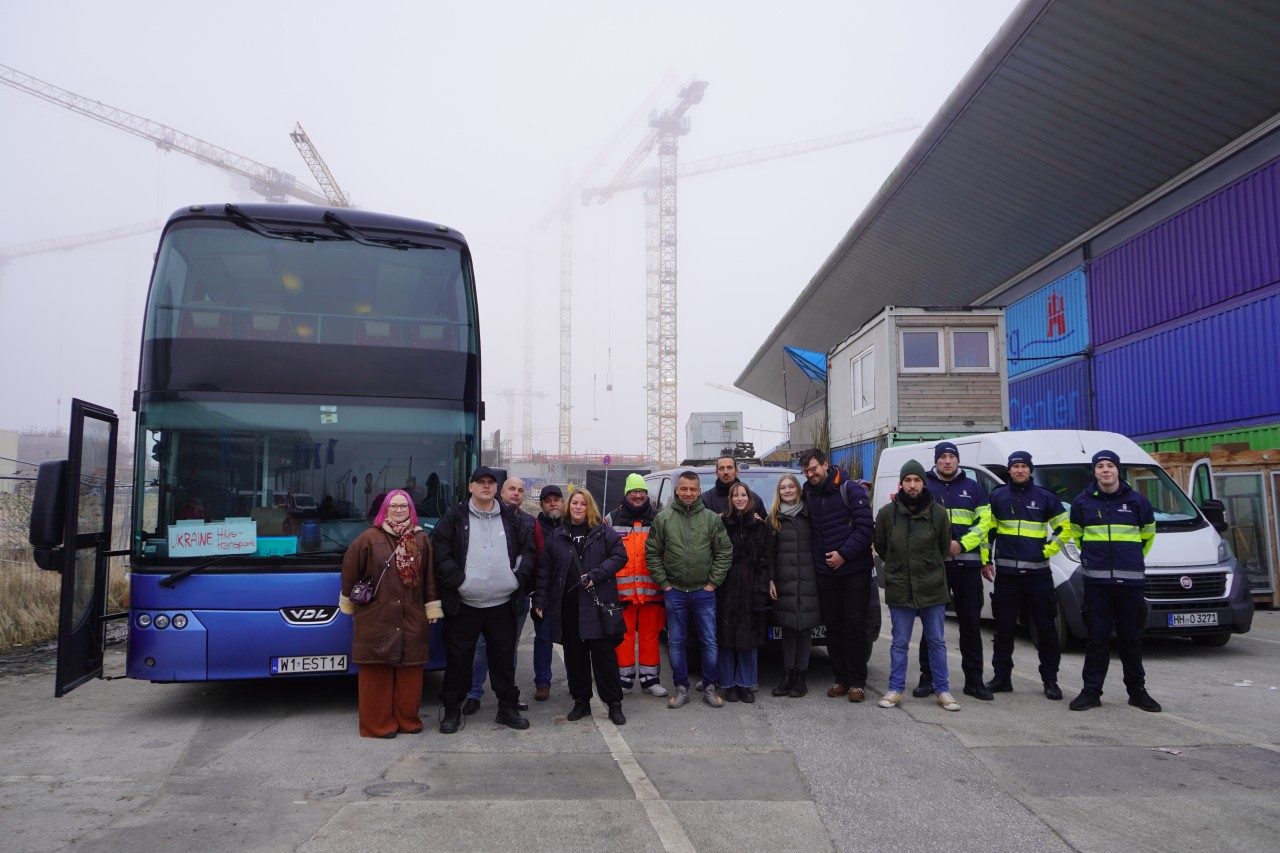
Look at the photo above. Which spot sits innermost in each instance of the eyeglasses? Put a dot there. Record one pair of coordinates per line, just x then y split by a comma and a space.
397, 506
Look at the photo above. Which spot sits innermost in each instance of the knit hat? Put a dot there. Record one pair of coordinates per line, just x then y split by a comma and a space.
634, 482
1110, 455
1020, 456
911, 466
945, 447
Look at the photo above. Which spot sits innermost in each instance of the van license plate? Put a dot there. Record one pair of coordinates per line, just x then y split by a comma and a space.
1191, 620
307, 664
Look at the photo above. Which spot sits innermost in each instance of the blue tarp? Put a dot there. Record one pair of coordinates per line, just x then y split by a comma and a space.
814, 364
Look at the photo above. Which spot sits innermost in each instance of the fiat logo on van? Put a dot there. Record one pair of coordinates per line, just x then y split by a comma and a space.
1185, 580
317, 615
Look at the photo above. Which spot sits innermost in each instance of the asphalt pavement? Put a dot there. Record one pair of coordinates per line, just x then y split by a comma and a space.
123, 765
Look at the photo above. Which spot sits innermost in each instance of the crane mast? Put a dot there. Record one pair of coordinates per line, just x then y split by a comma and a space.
268, 181
319, 169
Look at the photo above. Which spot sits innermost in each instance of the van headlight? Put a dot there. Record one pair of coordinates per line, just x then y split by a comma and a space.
1069, 548
1224, 553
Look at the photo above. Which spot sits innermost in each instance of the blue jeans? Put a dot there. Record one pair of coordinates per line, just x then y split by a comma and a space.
904, 619
701, 604
542, 653
737, 668
480, 668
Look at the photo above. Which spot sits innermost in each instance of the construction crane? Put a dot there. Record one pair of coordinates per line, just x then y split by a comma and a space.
328, 183
665, 129
563, 209
269, 182
660, 407
58, 244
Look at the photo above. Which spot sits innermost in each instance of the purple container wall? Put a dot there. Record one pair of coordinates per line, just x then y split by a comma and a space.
1054, 399
1209, 372
1222, 247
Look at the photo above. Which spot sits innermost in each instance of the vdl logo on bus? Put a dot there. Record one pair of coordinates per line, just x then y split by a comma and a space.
320, 615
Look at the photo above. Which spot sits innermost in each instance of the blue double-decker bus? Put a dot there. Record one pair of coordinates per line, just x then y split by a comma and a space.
297, 363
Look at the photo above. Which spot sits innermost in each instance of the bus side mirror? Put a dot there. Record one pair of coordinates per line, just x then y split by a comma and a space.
1216, 512
48, 508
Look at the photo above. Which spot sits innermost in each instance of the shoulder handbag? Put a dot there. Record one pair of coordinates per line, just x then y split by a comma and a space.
608, 616
363, 591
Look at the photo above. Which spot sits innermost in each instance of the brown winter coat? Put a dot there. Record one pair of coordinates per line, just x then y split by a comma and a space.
391, 629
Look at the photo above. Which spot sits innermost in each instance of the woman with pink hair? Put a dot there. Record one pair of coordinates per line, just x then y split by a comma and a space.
389, 636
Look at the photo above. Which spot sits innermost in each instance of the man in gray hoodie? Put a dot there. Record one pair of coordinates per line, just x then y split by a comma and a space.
484, 556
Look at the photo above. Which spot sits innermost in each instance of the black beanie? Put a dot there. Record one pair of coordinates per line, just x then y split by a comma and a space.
1107, 454
945, 447
1020, 456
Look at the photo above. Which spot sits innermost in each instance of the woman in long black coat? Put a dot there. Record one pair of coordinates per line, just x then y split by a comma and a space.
794, 584
577, 593
741, 599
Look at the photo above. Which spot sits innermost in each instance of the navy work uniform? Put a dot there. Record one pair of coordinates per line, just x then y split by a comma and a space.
1114, 531
967, 504
1028, 521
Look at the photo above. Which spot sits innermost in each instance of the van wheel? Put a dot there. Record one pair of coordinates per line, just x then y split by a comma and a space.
1060, 626
1212, 641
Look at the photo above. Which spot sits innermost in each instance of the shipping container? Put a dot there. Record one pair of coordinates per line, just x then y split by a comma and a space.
1212, 372
1048, 325
707, 434
1053, 399
1265, 437
859, 459
1225, 246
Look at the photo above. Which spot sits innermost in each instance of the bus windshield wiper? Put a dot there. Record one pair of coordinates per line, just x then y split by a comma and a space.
172, 579
257, 226
351, 232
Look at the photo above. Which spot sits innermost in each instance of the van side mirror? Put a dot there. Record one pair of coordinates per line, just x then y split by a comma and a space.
1216, 512
48, 510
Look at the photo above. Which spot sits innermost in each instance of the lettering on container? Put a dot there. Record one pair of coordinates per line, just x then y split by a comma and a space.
1055, 411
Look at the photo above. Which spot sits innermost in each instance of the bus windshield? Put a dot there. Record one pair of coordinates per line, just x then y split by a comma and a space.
1173, 509
270, 479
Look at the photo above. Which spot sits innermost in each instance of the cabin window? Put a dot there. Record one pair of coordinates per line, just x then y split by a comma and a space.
922, 351
972, 351
862, 371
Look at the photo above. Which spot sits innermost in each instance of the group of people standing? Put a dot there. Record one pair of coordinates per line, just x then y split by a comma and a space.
710, 563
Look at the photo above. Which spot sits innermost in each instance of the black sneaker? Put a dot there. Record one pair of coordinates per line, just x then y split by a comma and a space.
1086, 700
615, 714
470, 706
1142, 699
730, 694
1000, 685
979, 691
924, 688
581, 708
746, 694
1052, 690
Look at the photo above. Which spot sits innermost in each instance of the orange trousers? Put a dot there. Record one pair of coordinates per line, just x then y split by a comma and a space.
390, 697
644, 621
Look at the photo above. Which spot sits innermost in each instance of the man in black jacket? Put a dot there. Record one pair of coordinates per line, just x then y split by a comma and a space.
842, 524
716, 498
484, 557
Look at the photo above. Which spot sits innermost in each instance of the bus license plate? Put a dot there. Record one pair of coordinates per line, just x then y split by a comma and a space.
307, 664
1191, 620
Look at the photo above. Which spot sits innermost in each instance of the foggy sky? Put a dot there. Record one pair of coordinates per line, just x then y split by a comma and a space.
466, 114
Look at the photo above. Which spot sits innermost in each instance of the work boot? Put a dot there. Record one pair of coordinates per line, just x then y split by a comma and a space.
1052, 690
470, 706
1086, 700
581, 708
924, 688
978, 690
1140, 698
1000, 685
615, 714
746, 694
784, 686
451, 720
730, 694
509, 716
800, 686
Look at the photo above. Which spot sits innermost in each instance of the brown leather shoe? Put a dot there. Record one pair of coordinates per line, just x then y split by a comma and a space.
541, 694
857, 694
837, 690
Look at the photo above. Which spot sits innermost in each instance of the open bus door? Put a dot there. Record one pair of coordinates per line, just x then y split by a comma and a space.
71, 533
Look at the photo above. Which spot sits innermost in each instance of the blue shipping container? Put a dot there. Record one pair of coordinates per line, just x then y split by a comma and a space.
1223, 247
1054, 399
1047, 326
1210, 373
859, 459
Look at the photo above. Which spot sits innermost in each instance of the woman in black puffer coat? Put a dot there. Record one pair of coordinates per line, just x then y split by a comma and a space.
741, 599
793, 585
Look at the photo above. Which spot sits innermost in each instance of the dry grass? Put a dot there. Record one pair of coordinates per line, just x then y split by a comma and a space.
31, 595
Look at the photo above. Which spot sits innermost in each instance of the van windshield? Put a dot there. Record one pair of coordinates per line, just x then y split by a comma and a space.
1173, 509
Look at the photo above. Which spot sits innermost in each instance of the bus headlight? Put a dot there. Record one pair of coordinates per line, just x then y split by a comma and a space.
144, 620
162, 621
179, 621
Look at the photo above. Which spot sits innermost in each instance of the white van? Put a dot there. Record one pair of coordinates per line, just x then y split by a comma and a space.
1195, 588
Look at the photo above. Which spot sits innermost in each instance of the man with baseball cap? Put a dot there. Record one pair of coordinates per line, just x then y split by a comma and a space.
644, 613
551, 506
484, 560
969, 510
1114, 526
1029, 524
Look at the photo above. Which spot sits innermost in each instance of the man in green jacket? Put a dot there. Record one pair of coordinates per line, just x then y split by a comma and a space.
688, 554
913, 538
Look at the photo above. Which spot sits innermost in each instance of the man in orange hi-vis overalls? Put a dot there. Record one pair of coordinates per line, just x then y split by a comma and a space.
644, 612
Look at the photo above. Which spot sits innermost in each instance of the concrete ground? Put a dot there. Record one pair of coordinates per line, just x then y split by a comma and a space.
277, 766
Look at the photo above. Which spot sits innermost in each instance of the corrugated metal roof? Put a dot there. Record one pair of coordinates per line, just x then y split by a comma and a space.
1077, 109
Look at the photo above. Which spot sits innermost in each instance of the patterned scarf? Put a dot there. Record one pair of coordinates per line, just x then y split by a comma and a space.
406, 552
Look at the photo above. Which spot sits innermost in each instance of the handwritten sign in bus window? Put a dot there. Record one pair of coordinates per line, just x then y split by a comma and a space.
214, 539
